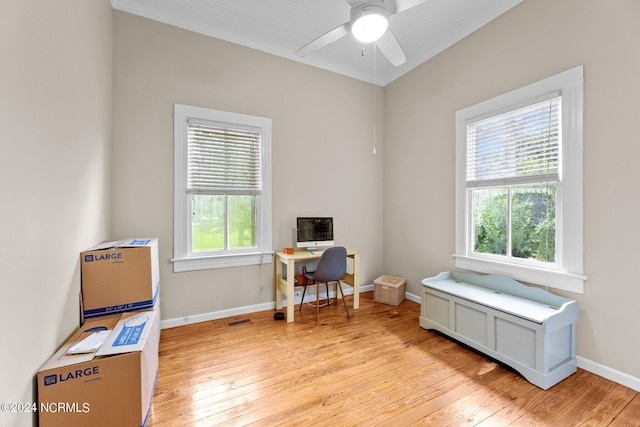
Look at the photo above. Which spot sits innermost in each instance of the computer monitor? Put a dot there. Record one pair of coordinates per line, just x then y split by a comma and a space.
314, 232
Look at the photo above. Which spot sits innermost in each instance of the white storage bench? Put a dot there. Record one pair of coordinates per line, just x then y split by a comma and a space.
529, 329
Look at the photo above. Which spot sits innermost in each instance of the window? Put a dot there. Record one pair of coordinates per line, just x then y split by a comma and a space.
519, 184
222, 189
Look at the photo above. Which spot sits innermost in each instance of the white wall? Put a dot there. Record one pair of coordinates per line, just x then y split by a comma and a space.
321, 149
534, 40
55, 131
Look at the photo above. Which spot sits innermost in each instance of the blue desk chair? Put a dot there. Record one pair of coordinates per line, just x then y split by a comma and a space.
331, 268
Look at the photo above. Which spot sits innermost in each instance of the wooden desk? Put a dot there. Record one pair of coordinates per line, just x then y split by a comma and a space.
286, 287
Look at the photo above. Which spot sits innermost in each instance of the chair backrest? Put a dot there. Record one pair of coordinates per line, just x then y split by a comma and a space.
332, 265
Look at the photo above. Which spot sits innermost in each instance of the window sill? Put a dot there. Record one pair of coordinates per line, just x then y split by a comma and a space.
221, 261
560, 280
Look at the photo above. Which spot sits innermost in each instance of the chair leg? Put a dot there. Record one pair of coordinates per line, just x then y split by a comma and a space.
304, 289
326, 285
317, 301
343, 301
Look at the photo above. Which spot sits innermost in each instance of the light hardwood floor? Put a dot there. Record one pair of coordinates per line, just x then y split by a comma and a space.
377, 368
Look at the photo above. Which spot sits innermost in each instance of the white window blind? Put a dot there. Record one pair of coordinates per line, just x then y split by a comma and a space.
223, 159
518, 147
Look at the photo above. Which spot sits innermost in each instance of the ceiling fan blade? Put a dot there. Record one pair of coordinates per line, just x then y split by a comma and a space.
324, 40
402, 5
390, 47
355, 3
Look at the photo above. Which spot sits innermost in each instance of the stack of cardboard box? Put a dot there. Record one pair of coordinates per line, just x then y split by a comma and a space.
105, 373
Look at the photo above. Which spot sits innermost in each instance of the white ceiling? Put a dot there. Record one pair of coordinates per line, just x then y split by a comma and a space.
281, 27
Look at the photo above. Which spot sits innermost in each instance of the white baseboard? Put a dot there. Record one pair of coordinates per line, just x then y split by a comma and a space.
204, 317
583, 363
412, 297
609, 373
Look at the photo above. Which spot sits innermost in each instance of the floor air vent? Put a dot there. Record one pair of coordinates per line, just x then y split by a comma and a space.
239, 322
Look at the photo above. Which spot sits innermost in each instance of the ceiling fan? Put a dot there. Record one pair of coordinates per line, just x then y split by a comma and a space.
369, 23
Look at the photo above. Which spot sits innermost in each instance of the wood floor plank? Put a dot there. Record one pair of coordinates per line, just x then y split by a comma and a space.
418, 407
609, 407
303, 358
325, 371
361, 389
477, 406
630, 415
572, 413
563, 400
387, 391
297, 366
524, 403
376, 368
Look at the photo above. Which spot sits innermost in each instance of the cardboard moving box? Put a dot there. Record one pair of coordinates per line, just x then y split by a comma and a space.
119, 276
112, 386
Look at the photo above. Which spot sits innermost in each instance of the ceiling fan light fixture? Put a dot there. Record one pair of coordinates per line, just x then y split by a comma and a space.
369, 23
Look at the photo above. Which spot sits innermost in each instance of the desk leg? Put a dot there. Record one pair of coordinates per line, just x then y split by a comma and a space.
291, 275
353, 279
278, 277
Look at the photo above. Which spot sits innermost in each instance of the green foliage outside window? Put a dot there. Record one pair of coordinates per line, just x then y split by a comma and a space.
533, 213
208, 222
490, 220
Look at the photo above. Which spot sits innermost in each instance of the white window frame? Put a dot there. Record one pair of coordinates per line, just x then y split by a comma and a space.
567, 273
183, 259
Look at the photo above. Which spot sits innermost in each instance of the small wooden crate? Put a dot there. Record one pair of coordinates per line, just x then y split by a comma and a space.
389, 289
